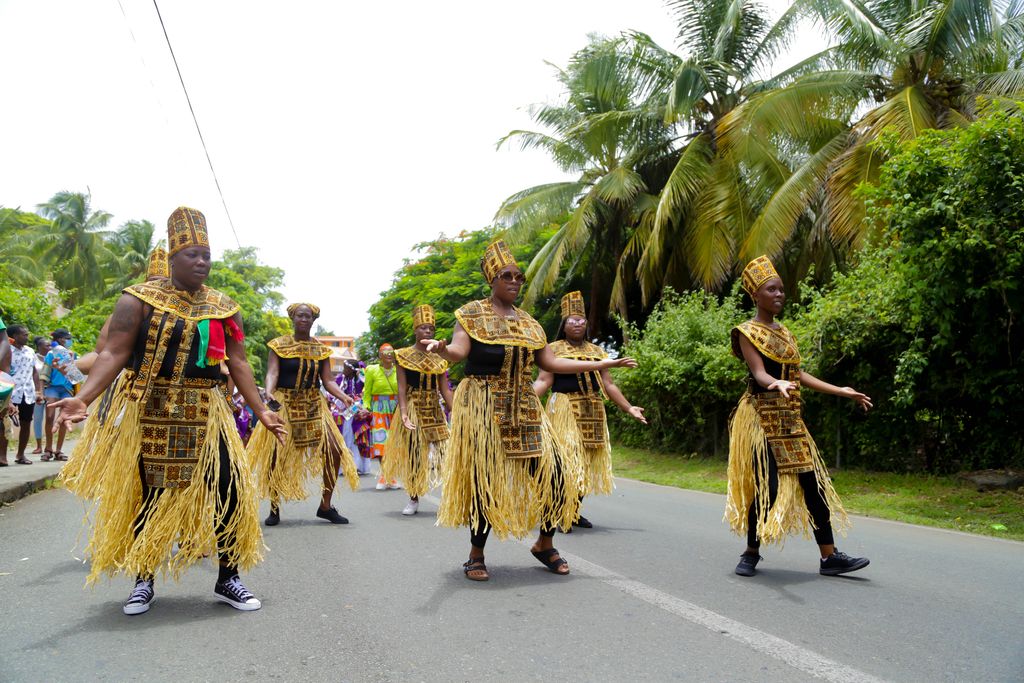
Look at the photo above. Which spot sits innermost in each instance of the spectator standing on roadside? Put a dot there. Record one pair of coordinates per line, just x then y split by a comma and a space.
42, 347
59, 387
27, 390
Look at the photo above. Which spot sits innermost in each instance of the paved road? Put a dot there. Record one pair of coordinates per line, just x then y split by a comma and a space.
652, 596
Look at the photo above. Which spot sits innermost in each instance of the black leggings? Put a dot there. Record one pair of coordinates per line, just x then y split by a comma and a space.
816, 504
227, 499
479, 538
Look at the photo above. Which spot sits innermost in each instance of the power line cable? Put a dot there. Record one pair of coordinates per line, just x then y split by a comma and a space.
196, 121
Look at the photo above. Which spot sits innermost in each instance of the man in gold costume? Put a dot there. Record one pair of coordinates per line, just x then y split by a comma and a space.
176, 470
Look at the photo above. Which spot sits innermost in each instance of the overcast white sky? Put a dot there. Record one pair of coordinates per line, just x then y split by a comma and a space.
342, 133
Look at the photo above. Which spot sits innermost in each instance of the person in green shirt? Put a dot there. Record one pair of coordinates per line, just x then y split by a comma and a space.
380, 397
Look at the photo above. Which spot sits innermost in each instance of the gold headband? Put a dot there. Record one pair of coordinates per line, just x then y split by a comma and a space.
186, 228
496, 256
572, 304
423, 315
294, 307
758, 272
158, 264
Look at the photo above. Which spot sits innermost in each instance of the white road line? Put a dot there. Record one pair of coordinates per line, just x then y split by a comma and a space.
801, 658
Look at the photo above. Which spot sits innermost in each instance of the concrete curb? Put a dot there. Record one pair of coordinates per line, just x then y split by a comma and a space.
14, 491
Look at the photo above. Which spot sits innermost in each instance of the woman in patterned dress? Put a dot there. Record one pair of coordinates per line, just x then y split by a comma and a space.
418, 441
380, 398
576, 406
778, 482
297, 366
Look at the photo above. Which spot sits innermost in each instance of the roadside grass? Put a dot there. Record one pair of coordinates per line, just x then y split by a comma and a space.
944, 502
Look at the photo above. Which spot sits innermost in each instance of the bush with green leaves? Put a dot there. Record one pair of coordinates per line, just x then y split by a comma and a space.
929, 321
688, 380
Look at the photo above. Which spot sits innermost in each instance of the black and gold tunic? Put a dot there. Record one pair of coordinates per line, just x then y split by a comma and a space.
503, 468
767, 424
283, 471
177, 428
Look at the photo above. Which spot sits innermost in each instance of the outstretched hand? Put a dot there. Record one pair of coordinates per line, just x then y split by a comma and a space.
274, 423
624, 362
862, 400
783, 386
71, 410
637, 413
436, 345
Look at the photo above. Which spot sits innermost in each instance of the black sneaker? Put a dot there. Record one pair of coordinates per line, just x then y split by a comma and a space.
748, 564
234, 592
841, 563
331, 515
274, 518
583, 523
141, 598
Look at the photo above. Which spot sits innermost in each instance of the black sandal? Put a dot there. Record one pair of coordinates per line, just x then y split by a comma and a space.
545, 559
476, 565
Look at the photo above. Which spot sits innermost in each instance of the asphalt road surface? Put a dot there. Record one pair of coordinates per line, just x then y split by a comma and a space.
652, 596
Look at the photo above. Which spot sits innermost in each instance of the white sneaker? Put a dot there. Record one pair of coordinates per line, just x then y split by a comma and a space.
394, 486
411, 508
381, 485
141, 598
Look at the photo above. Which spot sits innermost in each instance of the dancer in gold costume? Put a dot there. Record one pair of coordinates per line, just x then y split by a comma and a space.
504, 471
296, 368
576, 406
418, 441
778, 483
176, 470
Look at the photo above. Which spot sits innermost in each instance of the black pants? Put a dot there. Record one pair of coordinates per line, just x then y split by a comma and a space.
227, 498
816, 504
483, 528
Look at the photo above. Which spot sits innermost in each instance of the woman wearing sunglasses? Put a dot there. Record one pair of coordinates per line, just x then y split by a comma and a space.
503, 469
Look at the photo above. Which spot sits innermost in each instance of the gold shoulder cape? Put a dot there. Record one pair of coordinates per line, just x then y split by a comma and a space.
412, 358
290, 347
776, 344
586, 351
206, 304
484, 325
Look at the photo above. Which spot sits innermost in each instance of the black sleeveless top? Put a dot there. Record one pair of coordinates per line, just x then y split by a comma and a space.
773, 368
167, 366
484, 359
288, 375
570, 384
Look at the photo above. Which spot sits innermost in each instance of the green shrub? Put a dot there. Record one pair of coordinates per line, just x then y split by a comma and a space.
929, 321
688, 381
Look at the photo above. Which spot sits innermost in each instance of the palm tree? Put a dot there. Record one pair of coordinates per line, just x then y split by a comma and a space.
707, 205
901, 66
75, 249
131, 244
607, 135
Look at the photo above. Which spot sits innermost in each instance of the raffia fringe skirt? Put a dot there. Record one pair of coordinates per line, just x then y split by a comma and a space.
411, 458
597, 462
513, 495
190, 516
789, 514
282, 471
83, 472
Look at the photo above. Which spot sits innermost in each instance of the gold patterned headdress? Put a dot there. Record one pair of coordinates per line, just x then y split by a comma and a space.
758, 272
186, 228
496, 257
423, 315
158, 264
294, 307
572, 304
